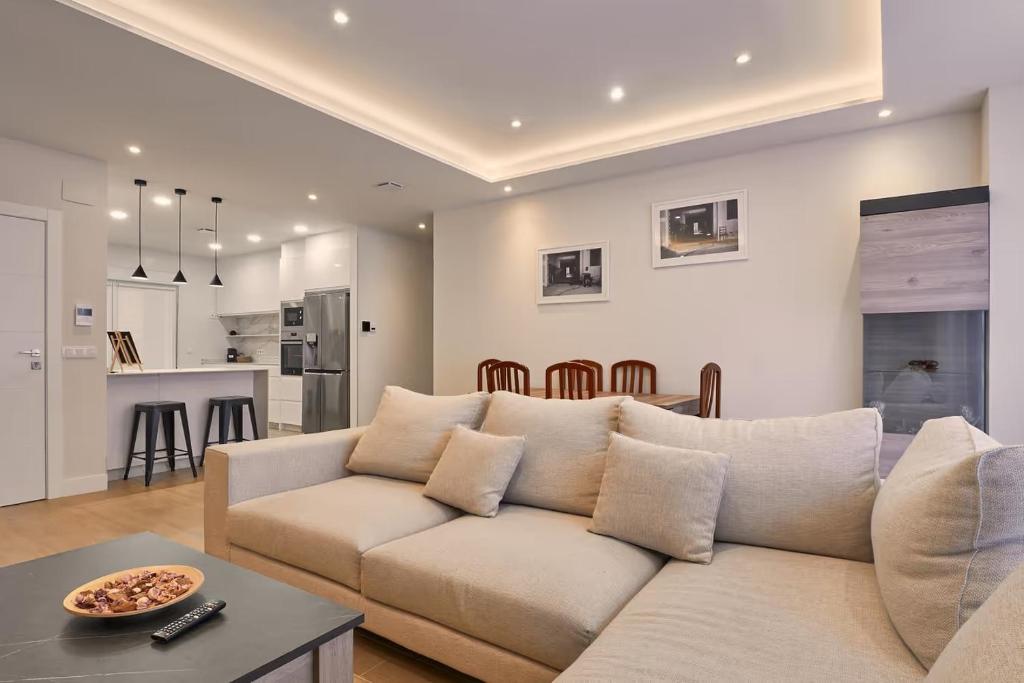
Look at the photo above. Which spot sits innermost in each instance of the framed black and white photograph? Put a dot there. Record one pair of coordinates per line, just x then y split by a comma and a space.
699, 230
573, 274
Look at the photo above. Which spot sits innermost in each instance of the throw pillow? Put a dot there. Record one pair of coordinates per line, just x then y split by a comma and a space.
948, 527
474, 471
661, 498
410, 430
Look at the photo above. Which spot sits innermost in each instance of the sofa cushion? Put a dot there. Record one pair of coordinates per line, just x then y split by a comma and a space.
753, 614
529, 580
661, 498
474, 471
805, 484
989, 646
409, 432
565, 446
948, 527
326, 528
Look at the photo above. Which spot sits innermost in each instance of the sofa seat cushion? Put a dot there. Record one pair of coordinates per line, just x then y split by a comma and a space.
532, 581
753, 614
326, 528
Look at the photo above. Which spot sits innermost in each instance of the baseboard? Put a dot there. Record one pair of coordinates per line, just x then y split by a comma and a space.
80, 485
140, 470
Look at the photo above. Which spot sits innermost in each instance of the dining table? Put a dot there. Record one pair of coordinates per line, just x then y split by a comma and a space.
686, 404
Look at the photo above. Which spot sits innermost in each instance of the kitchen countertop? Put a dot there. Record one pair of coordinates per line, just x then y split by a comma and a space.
241, 367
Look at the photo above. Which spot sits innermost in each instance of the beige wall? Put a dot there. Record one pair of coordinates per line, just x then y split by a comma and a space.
394, 293
1005, 157
41, 177
784, 325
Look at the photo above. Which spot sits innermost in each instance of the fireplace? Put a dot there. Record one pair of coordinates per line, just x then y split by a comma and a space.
920, 366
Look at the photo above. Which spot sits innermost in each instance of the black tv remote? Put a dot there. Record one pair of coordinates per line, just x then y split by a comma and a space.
187, 621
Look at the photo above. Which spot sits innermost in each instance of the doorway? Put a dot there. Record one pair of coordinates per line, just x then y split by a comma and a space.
22, 360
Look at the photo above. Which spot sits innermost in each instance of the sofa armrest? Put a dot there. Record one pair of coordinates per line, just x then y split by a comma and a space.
236, 472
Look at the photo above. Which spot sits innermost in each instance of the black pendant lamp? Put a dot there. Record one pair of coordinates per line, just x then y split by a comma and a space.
215, 282
179, 278
140, 272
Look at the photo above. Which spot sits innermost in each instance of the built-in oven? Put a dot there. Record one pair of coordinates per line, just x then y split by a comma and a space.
291, 337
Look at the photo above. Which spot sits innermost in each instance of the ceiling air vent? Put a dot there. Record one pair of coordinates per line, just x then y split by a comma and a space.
390, 185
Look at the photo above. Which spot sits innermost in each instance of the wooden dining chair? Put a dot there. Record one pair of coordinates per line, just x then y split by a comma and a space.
710, 390
598, 368
575, 381
481, 372
508, 375
632, 374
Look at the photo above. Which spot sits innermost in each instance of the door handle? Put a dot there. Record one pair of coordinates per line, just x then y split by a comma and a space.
35, 353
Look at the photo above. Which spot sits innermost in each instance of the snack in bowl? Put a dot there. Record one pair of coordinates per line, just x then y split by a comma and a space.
134, 590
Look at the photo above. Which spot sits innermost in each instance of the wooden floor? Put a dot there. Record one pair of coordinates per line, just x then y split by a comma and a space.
172, 507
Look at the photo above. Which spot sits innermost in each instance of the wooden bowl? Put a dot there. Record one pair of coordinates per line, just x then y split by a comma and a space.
191, 572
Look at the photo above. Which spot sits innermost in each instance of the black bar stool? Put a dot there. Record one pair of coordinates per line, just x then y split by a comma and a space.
229, 414
155, 413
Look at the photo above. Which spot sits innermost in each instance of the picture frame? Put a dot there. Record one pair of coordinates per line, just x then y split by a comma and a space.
702, 229
577, 273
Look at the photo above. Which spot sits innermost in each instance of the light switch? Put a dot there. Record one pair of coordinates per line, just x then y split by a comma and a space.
79, 352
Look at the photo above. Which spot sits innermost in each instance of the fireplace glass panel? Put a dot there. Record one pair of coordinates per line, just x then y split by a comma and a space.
920, 366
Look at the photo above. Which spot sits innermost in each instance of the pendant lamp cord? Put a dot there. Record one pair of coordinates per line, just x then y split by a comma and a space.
179, 233
140, 225
216, 234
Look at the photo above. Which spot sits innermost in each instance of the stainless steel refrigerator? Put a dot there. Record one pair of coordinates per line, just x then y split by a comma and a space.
325, 368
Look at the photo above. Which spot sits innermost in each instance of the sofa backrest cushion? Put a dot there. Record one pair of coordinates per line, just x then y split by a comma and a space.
948, 527
990, 646
410, 431
804, 483
566, 442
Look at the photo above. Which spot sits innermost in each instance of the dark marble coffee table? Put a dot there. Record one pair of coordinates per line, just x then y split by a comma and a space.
268, 630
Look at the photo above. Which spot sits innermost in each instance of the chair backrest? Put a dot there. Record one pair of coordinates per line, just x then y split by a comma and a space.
632, 376
575, 381
710, 390
481, 372
508, 375
598, 368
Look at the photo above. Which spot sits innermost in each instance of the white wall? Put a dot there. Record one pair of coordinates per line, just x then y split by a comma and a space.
250, 282
784, 325
395, 275
200, 334
1005, 157
42, 177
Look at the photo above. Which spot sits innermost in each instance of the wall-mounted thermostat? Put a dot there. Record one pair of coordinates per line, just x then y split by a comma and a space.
368, 326
83, 315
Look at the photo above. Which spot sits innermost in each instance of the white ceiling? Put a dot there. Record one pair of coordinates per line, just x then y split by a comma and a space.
446, 78
459, 70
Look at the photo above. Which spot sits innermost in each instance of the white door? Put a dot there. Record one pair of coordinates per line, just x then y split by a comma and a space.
149, 312
22, 345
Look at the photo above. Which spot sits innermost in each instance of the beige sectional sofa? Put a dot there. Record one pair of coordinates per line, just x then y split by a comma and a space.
531, 594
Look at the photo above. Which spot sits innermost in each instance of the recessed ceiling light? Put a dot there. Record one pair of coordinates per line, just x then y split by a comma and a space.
300, 228
340, 17
884, 113
134, 149
216, 246
161, 200
312, 197
743, 58
508, 188
422, 226
118, 214
253, 237
617, 93
516, 123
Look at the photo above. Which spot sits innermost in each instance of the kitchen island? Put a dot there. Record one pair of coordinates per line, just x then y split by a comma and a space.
192, 386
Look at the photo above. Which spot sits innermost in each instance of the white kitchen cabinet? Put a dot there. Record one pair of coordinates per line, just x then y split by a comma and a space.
291, 412
292, 263
328, 260
250, 283
291, 388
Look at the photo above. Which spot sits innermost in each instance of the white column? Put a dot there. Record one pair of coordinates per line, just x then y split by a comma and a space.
1005, 155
